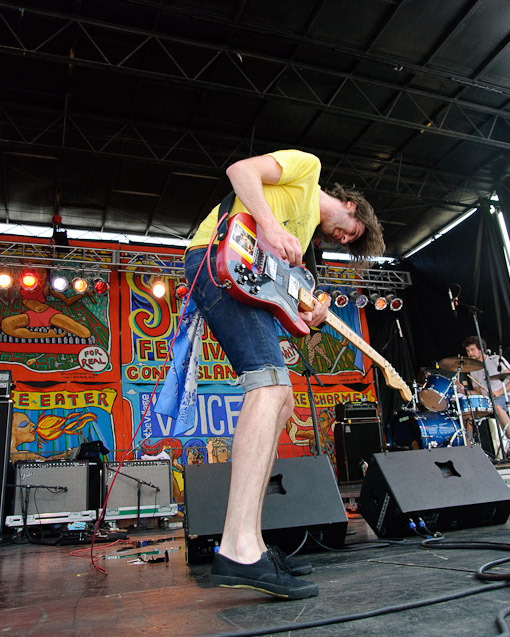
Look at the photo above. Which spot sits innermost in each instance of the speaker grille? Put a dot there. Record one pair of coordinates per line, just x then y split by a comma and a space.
150, 479
51, 487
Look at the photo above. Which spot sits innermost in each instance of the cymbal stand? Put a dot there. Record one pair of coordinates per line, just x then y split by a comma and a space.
415, 396
505, 393
474, 313
461, 431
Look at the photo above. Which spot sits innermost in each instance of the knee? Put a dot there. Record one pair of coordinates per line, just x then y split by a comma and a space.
288, 404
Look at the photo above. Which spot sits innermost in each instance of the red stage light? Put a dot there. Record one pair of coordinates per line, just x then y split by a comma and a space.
339, 299
181, 290
100, 286
396, 304
29, 281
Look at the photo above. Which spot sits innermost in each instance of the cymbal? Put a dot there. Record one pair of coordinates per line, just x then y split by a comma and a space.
503, 376
464, 363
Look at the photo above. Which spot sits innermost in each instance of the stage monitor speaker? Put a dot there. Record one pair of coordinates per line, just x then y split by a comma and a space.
50, 487
355, 442
5, 449
302, 496
448, 488
141, 489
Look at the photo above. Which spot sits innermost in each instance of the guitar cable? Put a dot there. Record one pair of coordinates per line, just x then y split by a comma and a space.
95, 558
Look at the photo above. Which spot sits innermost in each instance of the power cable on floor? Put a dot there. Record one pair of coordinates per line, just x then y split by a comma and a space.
342, 619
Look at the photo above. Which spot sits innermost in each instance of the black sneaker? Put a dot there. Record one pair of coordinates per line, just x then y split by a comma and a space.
293, 567
266, 576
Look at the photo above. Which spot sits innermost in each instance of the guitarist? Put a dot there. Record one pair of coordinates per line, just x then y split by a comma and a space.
280, 190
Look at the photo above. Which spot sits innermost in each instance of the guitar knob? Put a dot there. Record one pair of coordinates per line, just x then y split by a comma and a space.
255, 289
242, 279
252, 277
239, 267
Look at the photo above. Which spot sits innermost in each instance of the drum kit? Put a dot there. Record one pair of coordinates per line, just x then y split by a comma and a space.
444, 420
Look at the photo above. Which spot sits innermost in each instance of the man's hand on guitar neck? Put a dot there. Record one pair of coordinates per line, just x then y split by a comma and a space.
319, 313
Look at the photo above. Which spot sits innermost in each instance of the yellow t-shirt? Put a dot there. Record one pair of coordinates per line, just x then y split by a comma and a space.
294, 200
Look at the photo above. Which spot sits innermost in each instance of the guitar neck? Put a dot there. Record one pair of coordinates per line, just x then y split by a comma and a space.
341, 327
390, 375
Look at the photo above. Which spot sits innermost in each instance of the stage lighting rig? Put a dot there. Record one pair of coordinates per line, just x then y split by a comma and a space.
29, 280
80, 285
59, 283
158, 288
379, 302
360, 300
339, 299
5, 280
395, 302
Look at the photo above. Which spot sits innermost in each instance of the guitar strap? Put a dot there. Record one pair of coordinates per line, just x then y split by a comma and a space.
310, 262
225, 206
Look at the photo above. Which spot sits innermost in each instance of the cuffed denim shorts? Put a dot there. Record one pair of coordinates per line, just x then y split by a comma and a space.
246, 334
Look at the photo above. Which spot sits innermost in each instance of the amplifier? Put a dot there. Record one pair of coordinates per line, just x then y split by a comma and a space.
357, 411
52, 488
142, 488
5, 383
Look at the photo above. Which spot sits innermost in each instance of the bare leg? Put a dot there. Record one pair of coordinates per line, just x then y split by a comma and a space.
504, 422
283, 417
264, 412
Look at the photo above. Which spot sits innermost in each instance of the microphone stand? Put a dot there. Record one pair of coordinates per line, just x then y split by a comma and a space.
310, 371
474, 313
138, 493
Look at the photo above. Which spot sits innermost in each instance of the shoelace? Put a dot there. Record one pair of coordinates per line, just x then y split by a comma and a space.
278, 557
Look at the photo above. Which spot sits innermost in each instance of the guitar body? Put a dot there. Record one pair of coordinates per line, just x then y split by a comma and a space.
258, 276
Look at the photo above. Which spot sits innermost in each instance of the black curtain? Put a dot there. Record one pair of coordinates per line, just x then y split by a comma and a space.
469, 260
391, 336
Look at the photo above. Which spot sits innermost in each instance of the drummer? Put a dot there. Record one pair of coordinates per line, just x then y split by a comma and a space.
472, 347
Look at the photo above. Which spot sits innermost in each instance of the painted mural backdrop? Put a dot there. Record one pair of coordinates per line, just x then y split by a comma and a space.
151, 324
86, 367
55, 336
50, 424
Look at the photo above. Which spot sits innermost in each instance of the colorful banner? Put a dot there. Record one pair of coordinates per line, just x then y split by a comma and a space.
60, 336
51, 424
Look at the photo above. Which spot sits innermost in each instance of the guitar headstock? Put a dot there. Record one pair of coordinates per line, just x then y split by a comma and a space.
394, 381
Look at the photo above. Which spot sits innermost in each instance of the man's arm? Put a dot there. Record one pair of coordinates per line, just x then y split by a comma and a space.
247, 177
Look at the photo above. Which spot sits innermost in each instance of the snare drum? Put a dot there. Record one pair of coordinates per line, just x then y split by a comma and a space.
424, 430
436, 393
475, 405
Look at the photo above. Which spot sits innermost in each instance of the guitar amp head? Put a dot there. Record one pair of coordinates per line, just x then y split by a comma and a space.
357, 411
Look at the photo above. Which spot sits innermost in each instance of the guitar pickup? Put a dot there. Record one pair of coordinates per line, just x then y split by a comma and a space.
293, 288
271, 267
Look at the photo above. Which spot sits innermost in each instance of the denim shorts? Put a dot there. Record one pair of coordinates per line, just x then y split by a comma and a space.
246, 334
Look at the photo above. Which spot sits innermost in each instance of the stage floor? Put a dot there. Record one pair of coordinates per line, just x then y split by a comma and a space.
368, 588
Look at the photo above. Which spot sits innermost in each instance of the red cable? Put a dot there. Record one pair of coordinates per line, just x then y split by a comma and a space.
93, 558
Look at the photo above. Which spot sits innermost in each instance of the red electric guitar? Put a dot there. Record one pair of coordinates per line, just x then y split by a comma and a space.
255, 274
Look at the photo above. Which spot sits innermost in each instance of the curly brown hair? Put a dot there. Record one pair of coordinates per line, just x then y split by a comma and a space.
473, 340
371, 242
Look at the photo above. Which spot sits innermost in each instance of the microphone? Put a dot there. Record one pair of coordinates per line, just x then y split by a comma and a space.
452, 302
500, 357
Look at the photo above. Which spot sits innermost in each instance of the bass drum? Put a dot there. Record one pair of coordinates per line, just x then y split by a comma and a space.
424, 430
